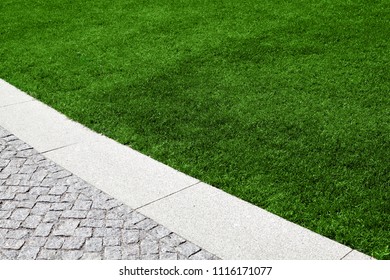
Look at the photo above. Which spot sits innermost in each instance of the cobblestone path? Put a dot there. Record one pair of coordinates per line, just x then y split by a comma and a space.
48, 213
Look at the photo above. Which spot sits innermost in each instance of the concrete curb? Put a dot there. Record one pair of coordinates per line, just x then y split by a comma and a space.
218, 222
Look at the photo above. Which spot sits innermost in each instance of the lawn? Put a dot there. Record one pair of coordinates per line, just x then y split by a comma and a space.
284, 104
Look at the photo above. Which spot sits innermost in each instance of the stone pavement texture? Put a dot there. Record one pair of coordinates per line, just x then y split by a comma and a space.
46, 212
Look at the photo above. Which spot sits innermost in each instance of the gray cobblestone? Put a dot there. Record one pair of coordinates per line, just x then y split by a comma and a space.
96, 214
187, 249
54, 242
10, 254
111, 241
25, 197
81, 195
12, 244
28, 253
92, 223
168, 256
159, 232
91, 256
73, 243
47, 182
43, 230
165, 248
4, 214
83, 232
18, 189
114, 223
32, 221
150, 257
61, 206
52, 217
146, 224
26, 204
39, 175
46, 254
4, 175
149, 247
82, 205
28, 169
121, 212
48, 198
48, 213
12, 181
4, 162
113, 253
39, 190
17, 234
130, 236
10, 224
106, 232
94, 244
20, 214
36, 241
18, 179
77, 214
173, 240
60, 174
131, 250
71, 255
66, 227
58, 190
7, 196
9, 205
69, 197
40, 208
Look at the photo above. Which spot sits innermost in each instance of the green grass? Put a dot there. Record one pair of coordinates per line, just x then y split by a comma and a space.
284, 104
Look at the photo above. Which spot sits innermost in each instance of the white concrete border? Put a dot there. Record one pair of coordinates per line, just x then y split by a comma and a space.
216, 221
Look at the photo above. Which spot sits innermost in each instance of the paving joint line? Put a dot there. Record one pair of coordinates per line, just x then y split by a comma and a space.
13, 104
168, 195
55, 149
347, 254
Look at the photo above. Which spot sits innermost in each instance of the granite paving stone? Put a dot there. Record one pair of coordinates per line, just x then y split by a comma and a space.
43, 229
40, 208
113, 252
45, 254
17, 234
47, 213
20, 214
71, 254
9, 224
58, 190
28, 253
54, 242
32, 221
4, 214
188, 249
92, 256
94, 244
73, 243
83, 232
111, 241
12, 244
66, 227
52, 216
36, 241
